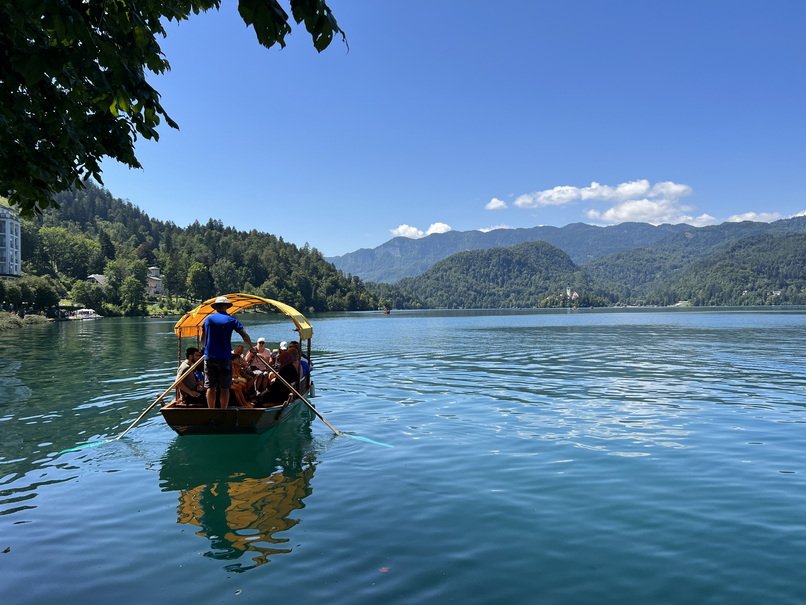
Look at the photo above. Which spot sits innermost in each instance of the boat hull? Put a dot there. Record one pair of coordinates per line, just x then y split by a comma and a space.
232, 421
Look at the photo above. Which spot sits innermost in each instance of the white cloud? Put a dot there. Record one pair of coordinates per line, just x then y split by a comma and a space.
619, 193
488, 229
634, 201
415, 233
670, 190
623, 192
549, 197
760, 217
438, 228
495, 204
642, 211
407, 231
654, 212
701, 221
801, 213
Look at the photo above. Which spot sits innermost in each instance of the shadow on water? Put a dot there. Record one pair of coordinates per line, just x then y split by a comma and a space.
240, 492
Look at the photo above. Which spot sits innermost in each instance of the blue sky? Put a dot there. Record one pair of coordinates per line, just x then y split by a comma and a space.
478, 115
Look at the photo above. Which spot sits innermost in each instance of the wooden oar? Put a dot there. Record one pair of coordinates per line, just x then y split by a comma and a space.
313, 409
140, 417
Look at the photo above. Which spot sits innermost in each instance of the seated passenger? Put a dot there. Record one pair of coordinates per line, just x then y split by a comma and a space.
278, 392
257, 365
191, 389
243, 381
261, 351
304, 364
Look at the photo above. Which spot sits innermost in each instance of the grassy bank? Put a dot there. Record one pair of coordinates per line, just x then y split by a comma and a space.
9, 321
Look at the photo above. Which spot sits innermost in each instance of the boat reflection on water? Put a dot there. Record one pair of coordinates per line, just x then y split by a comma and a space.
241, 491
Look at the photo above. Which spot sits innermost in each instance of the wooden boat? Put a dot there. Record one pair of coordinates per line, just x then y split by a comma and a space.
85, 314
236, 420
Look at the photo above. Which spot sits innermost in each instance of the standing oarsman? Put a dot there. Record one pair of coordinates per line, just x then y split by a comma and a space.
216, 335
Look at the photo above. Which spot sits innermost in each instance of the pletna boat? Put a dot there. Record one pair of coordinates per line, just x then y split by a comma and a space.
235, 420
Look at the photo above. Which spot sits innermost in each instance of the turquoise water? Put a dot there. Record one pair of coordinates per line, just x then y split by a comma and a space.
611, 456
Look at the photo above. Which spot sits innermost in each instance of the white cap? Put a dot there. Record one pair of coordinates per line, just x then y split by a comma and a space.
283, 346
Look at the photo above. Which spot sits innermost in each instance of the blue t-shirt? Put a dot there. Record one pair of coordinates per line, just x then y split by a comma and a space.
218, 329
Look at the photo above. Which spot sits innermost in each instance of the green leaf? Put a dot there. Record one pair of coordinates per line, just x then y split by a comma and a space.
74, 87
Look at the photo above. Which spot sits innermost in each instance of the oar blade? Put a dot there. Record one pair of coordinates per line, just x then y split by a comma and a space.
357, 437
81, 447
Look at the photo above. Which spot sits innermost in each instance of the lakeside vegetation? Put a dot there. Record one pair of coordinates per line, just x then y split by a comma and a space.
93, 233
11, 321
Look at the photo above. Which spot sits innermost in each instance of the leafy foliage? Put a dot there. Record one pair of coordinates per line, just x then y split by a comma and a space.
73, 85
31, 292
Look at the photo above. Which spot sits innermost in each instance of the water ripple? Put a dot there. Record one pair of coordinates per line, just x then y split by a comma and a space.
564, 457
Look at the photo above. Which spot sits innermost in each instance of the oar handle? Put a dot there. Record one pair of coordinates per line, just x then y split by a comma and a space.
158, 399
298, 394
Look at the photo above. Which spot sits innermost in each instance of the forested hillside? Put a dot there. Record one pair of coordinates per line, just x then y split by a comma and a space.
704, 241
532, 274
765, 269
92, 232
758, 270
404, 257
631, 275
671, 247
646, 274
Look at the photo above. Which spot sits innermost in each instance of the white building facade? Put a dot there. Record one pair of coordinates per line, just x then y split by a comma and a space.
10, 257
154, 281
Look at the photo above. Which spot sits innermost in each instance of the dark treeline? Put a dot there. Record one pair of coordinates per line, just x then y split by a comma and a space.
94, 233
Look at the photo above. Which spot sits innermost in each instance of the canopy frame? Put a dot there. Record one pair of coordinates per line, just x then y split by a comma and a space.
190, 325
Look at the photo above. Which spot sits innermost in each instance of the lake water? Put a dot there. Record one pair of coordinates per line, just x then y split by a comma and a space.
609, 456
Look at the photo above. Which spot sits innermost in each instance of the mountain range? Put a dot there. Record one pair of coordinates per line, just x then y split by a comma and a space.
747, 263
764, 269
620, 253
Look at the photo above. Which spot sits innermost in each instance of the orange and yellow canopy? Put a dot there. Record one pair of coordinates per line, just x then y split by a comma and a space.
191, 323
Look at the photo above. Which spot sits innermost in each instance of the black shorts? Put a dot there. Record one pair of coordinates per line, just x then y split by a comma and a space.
218, 373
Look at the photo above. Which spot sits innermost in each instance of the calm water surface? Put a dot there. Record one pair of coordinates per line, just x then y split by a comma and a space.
613, 456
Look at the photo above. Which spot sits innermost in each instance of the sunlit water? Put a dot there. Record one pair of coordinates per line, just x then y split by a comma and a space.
614, 456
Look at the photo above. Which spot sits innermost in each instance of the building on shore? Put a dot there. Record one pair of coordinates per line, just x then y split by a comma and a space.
10, 257
154, 281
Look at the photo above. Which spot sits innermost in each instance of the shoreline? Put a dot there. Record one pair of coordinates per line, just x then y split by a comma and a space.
9, 321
